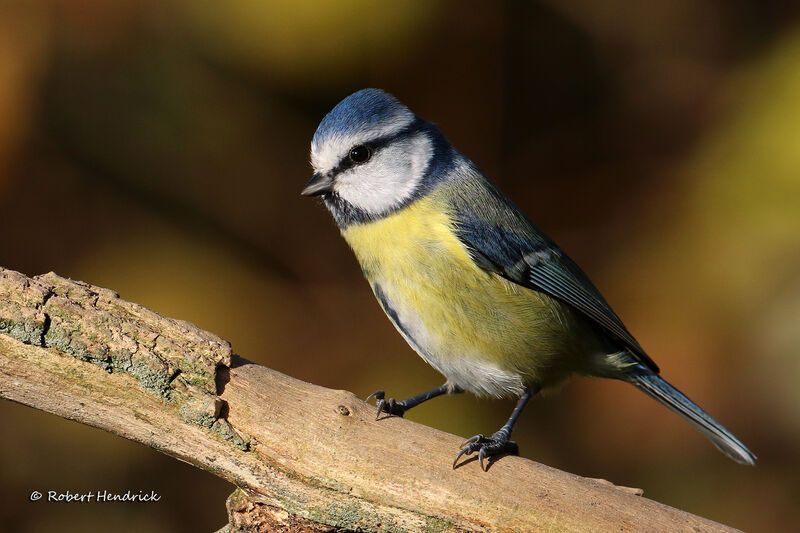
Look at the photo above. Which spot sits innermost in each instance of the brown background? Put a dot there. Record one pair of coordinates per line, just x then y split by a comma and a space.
158, 148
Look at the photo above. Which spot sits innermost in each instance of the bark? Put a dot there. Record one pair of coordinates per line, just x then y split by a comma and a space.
305, 458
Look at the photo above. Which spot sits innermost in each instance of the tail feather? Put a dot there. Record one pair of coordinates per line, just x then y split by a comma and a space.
668, 395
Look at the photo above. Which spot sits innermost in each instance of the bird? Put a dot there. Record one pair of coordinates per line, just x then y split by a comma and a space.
467, 279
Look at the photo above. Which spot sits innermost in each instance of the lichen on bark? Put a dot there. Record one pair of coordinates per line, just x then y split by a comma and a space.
171, 358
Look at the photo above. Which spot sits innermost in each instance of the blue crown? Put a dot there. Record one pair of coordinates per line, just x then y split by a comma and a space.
361, 111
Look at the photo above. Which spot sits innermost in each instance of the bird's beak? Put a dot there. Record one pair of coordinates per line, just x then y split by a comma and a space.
318, 184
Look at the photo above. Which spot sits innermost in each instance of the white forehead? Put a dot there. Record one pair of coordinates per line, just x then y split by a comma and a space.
328, 151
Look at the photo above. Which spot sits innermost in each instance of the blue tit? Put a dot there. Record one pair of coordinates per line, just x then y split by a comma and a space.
476, 289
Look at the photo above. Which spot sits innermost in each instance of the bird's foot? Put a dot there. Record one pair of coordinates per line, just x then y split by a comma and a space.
390, 406
488, 447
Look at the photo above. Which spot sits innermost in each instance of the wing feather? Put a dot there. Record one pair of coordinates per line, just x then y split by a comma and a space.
501, 239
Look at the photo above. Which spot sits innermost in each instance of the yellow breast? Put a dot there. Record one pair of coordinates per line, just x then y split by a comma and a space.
456, 312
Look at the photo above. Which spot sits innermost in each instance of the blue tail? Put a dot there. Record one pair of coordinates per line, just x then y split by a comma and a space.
668, 395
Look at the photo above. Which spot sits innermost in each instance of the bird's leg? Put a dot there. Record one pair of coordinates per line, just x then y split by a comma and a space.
396, 408
498, 443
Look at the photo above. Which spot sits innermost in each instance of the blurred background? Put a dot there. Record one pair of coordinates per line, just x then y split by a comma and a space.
158, 148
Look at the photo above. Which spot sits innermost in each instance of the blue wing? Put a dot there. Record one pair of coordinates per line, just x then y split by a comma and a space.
501, 239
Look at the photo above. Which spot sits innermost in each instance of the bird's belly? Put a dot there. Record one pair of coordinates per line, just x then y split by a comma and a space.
442, 340
483, 332
485, 335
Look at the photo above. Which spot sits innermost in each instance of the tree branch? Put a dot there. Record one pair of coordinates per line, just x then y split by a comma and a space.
302, 455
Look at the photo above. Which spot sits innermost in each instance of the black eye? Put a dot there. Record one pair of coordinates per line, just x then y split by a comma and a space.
360, 154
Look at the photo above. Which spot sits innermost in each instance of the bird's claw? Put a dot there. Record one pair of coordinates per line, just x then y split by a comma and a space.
487, 448
390, 406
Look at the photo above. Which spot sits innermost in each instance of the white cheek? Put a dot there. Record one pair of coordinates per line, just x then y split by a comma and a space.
390, 178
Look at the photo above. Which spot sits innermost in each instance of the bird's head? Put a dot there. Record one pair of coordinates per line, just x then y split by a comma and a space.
371, 156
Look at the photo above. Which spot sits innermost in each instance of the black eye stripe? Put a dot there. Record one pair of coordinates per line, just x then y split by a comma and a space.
376, 145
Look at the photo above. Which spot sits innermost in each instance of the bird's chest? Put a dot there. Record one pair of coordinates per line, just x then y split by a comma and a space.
439, 300
414, 263
414, 255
